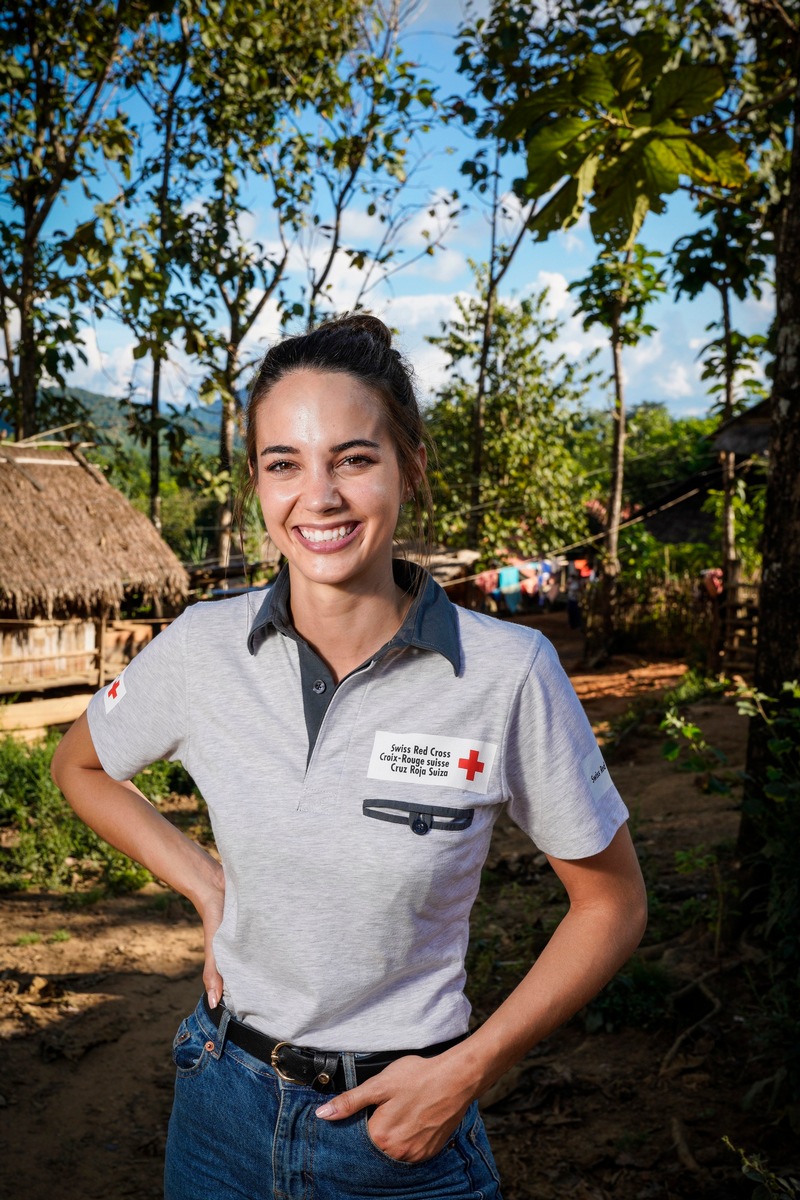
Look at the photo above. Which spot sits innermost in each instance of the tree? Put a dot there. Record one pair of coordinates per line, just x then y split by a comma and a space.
615, 294
612, 114
532, 395
253, 66
730, 255
153, 252
62, 65
330, 114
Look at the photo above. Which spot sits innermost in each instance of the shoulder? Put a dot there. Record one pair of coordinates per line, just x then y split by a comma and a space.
234, 612
485, 638
217, 627
481, 630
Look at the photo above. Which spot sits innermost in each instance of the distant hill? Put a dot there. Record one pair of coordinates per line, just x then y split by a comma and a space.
106, 414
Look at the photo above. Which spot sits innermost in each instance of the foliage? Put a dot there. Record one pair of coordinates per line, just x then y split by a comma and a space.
637, 996
617, 290
770, 1185
661, 450
774, 807
613, 115
60, 66
42, 842
748, 500
688, 749
530, 502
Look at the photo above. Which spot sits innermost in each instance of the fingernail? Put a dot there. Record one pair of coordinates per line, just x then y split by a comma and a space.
212, 999
325, 1110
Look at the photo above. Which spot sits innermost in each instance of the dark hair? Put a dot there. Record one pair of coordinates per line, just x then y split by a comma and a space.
359, 345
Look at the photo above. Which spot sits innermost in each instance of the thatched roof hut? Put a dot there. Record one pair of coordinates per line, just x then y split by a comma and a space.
748, 434
70, 543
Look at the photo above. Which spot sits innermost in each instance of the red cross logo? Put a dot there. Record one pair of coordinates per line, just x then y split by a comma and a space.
112, 693
471, 765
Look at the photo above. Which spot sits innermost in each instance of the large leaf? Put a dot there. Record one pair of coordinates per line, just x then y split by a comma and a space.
555, 151
661, 168
687, 92
561, 210
591, 84
620, 210
701, 167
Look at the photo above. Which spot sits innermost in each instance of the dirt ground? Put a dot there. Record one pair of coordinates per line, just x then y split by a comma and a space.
630, 1112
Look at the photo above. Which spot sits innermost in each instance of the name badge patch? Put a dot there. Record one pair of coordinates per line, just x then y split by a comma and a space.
114, 693
432, 760
596, 772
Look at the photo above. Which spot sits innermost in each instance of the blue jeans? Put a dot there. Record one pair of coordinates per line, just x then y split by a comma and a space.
239, 1132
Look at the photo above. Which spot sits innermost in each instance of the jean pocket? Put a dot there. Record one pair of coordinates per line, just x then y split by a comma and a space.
422, 1164
190, 1048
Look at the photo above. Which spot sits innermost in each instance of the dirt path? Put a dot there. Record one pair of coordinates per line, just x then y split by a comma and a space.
89, 1010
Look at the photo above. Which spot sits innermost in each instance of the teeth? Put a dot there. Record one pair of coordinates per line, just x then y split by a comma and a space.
326, 535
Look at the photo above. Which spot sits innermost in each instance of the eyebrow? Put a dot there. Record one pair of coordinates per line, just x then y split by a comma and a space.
338, 449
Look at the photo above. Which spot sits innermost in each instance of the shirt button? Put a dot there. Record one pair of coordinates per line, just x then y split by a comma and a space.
319, 686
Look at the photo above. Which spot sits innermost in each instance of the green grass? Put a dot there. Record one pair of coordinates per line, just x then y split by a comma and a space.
43, 842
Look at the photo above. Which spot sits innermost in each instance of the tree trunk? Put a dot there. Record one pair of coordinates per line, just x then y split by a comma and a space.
227, 432
28, 372
730, 564
475, 515
611, 561
778, 649
155, 445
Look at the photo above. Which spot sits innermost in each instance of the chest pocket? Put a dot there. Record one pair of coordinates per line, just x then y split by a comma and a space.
420, 819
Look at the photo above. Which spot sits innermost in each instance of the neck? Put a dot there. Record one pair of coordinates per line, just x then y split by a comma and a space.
346, 627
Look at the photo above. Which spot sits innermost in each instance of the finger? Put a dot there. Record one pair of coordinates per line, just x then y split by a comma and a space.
213, 983
347, 1103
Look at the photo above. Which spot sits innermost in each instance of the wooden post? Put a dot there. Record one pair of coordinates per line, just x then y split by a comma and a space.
101, 640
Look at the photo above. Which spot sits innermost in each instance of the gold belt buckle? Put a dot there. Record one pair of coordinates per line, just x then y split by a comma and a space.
273, 1062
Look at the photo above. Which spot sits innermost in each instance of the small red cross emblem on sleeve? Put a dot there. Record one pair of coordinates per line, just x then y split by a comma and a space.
112, 691
471, 765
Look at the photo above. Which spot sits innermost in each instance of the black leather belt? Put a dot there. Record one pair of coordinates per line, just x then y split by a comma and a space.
320, 1069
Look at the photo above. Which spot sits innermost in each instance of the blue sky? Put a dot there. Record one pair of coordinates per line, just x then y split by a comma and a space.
662, 368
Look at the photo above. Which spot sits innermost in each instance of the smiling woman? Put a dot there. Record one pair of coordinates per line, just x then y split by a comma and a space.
355, 736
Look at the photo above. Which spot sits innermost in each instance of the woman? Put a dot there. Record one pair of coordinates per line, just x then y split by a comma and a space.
354, 735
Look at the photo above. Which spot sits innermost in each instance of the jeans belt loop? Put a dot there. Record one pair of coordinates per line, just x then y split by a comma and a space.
222, 1033
349, 1065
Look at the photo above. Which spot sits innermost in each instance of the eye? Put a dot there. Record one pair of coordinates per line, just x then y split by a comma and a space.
279, 467
356, 461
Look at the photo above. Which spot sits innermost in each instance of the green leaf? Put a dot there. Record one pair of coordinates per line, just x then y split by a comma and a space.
547, 153
687, 92
621, 206
561, 210
660, 167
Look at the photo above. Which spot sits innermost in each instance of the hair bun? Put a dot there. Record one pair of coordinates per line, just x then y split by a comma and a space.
361, 322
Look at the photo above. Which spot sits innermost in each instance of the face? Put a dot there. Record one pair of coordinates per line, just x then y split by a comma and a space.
329, 480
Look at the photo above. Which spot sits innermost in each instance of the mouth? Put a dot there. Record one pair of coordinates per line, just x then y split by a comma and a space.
327, 539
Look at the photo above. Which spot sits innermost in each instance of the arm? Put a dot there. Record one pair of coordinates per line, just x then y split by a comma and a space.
121, 815
421, 1101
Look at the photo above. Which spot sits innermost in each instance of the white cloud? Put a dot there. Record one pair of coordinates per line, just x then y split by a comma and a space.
675, 382
560, 300
645, 352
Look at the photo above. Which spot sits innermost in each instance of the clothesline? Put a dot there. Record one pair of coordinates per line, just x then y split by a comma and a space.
597, 537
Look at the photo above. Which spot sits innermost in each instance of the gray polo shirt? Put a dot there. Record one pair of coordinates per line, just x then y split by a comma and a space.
353, 820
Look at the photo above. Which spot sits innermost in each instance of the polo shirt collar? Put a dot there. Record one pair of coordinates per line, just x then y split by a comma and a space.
430, 624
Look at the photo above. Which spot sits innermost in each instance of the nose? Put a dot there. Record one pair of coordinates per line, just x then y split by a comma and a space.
322, 492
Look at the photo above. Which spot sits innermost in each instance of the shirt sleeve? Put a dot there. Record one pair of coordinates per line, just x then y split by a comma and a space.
560, 789
141, 716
